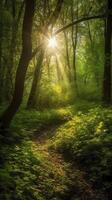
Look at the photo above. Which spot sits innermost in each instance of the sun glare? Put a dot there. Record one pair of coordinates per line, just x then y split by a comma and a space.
52, 43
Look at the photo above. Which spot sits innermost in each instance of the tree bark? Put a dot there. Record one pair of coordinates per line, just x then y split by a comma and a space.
74, 46
107, 65
32, 100
22, 66
1, 54
68, 66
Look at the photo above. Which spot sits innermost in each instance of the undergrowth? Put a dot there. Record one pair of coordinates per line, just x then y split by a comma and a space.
87, 139
28, 175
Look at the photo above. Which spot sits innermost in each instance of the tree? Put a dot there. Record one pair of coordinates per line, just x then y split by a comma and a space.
22, 66
32, 100
74, 46
107, 67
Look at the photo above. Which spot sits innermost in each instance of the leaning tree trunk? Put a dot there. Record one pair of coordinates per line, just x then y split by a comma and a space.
22, 66
107, 66
32, 100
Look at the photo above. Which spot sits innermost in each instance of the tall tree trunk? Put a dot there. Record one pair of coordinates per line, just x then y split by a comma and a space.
22, 66
67, 57
107, 65
74, 46
59, 72
32, 100
1, 54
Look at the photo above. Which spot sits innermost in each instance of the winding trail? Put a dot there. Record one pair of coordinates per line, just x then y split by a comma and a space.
77, 188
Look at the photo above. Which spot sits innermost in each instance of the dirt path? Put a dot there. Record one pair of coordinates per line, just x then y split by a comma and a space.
77, 186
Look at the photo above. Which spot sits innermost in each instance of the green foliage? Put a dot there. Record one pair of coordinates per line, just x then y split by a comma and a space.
5, 17
32, 119
87, 139
28, 174
29, 120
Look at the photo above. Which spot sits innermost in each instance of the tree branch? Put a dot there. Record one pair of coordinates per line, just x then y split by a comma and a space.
79, 21
103, 16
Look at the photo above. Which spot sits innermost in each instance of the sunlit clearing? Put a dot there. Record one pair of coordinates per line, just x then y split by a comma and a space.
52, 43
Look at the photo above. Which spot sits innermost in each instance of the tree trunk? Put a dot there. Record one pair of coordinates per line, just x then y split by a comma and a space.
1, 54
107, 65
22, 66
67, 57
59, 72
74, 46
32, 100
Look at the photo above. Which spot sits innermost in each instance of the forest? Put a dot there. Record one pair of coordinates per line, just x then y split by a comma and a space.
55, 100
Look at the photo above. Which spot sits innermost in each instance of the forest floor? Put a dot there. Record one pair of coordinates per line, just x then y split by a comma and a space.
58, 154
77, 187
